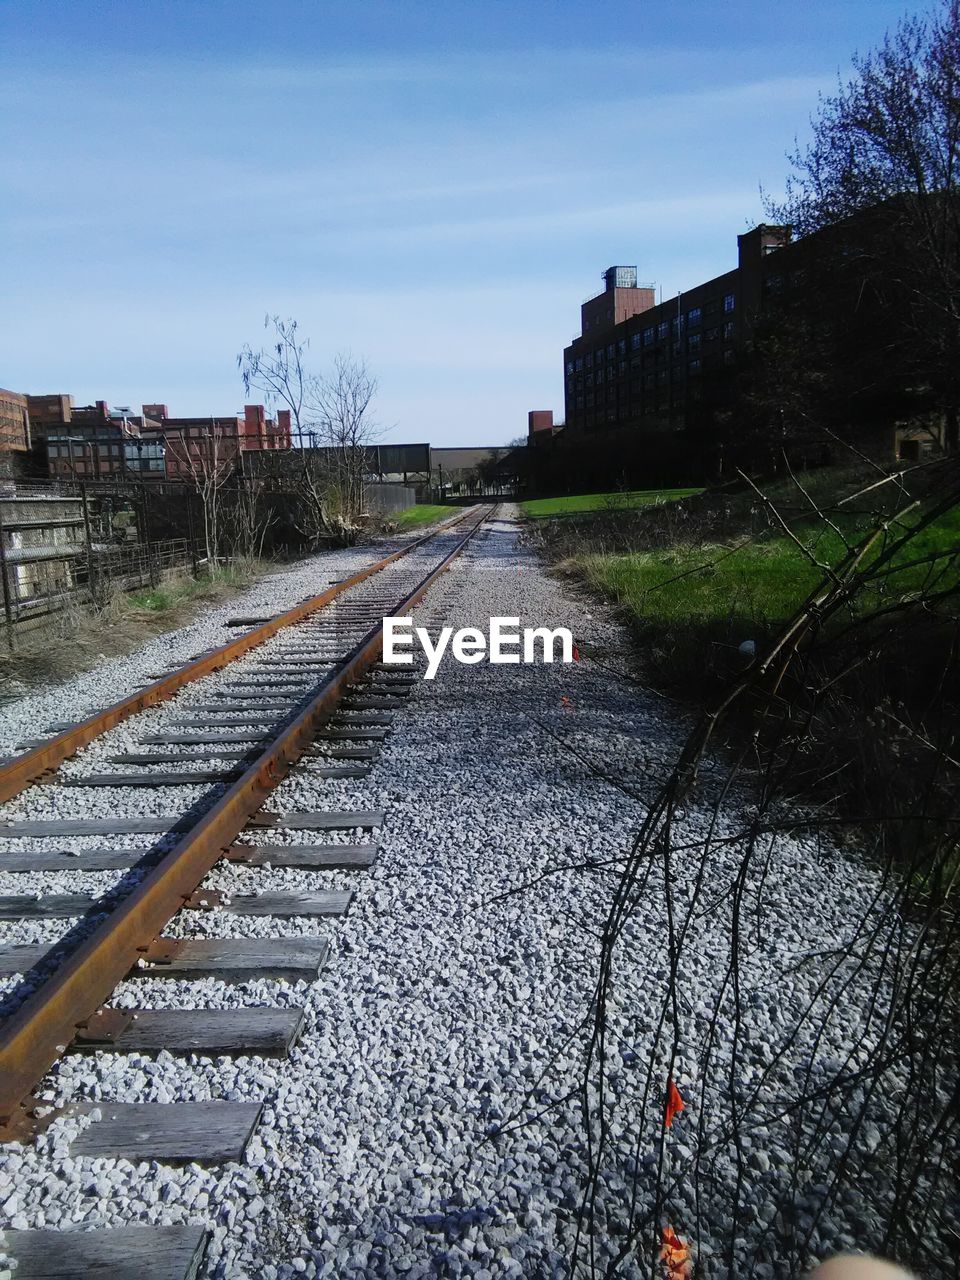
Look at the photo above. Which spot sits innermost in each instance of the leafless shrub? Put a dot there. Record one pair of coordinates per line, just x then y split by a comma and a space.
819, 1077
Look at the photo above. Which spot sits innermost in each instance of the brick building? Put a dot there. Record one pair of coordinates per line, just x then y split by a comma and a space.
84, 442
640, 363
14, 436
189, 445
541, 426
14, 422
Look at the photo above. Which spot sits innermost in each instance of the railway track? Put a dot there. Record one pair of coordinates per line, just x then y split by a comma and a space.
183, 772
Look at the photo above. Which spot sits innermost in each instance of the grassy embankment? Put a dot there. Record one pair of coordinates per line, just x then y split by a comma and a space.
546, 508
874, 685
717, 567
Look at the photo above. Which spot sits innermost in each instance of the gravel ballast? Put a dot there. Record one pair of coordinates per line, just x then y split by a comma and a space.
428, 1122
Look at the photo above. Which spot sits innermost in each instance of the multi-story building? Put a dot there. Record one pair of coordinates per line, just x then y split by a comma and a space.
14, 422
637, 362
82, 442
188, 447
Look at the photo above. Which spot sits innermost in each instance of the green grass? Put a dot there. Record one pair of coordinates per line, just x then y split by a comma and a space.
186, 590
422, 513
759, 581
542, 508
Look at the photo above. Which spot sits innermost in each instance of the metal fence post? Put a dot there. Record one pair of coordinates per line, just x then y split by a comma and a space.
7, 603
192, 537
91, 570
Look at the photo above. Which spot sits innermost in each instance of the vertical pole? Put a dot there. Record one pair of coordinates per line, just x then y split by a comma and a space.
7, 603
191, 534
151, 567
91, 571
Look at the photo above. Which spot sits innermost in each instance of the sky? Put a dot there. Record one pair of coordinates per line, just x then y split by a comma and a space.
432, 187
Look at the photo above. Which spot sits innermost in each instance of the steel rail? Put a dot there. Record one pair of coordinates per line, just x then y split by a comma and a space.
34, 1036
17, 774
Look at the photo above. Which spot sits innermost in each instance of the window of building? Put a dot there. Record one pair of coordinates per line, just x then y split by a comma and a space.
586, 325
622, 347
729, 356
676, 326
579, 364
729, 302
599, 377
590, 361
728, 329
694, 366
711, 335
663, 329
569, 366
635, 340
677, 349
693, 342
774, 284
611, 350
712, 308
693, 316
622, 368
648, 336
588, 379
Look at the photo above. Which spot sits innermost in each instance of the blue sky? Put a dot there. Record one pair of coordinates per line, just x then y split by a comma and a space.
433, 186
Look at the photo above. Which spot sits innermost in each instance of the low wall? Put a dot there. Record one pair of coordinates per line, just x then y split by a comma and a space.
389, 498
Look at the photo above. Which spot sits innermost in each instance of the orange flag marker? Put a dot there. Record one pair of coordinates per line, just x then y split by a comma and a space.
675, 1104
675, 1255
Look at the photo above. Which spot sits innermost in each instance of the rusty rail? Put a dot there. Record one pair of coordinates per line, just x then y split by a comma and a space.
20, 772
33, 1038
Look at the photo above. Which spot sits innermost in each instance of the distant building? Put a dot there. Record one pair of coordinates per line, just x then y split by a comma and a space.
81, 443
640, 363
188, 445
14, 433
541, 426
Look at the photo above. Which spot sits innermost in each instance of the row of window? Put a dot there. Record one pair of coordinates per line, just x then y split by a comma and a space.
662, 377
659, 332
600, 374
79, 448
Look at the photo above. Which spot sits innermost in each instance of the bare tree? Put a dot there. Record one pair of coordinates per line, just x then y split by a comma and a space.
278, 370
347, 429
207, 462
249, 520
889, 142
333, 427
